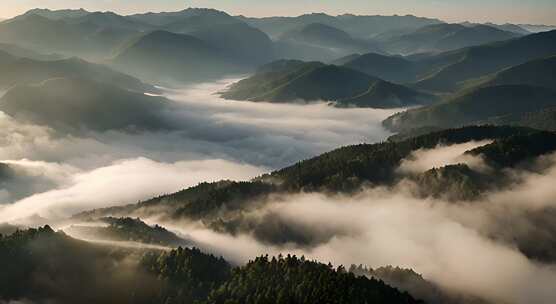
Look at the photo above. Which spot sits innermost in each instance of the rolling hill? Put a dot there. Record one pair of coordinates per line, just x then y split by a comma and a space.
291, 81
226, 206
449, 71
475, 106
25, 71
44, 35
246, 44
162, 56
444, 37
390, 68
538, 72
93, 35
77, 104
317, 41
326, 36
342, 170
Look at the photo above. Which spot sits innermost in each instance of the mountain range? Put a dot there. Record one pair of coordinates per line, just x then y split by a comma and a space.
290, 81
485, 93
508, 96
443, 37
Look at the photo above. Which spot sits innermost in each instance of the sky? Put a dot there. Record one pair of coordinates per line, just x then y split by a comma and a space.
498, 11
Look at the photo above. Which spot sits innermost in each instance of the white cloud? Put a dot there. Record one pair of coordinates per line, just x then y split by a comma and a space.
124, 182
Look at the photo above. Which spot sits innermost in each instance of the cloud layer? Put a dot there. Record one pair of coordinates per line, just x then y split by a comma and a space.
471, 248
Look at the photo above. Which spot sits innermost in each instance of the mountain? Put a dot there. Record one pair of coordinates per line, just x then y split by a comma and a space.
449, 71
475, 106
343, 170
356, 25
109, 20
44, 35
109, 274
56, 14
77, 104
444, 37
227, 207
538, 72
390, 68
113, 274
232, 207
328, 37
188, 19
249, 45
94, 35
25, 71
168, 57
290, 81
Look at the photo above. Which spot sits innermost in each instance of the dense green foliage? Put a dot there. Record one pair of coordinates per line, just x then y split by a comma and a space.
296, 280
186, 275
508, 152
346, 169
350, 167
42, 265
453, 182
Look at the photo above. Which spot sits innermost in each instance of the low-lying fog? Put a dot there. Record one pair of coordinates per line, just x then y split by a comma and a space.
450, 243
220, 140
468, 248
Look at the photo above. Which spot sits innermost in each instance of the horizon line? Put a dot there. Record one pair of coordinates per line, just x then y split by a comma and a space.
4, 18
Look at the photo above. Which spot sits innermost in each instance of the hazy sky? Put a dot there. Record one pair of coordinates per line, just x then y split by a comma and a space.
499, 11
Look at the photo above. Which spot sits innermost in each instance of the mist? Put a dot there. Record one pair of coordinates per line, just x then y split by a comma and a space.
217, 139
425, 159
467, 248
123, 182
451, 243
